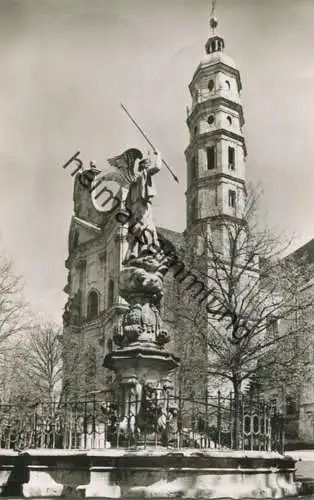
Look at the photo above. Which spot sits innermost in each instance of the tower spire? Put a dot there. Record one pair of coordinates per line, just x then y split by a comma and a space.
214, 43
213, 20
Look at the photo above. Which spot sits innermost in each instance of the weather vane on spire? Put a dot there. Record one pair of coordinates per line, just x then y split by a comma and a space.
213, 20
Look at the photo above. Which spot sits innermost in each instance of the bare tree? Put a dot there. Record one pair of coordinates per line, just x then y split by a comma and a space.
250, 299
49, 367
37, 365
14, 323
12, 306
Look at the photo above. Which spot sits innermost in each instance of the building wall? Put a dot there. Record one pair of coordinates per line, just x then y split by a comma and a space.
96, 248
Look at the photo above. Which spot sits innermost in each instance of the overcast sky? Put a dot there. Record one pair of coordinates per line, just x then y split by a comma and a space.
65, 66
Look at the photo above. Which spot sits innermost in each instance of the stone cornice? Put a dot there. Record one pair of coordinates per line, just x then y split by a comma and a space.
203, 181
103, 316
71, 328
97, 245
81, 250
91, 322
219, 218
81, 264
219, 66
217, 134
116, 308
213, 103
102, 256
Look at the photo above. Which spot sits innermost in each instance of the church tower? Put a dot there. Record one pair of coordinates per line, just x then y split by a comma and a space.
216, 152
216, 192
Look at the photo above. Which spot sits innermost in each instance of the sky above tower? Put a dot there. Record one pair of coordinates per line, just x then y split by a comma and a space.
67, 64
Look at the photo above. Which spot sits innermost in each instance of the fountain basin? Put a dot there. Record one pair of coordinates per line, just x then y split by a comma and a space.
159, 473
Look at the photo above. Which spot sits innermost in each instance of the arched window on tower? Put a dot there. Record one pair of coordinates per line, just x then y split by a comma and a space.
232, 198
193, 168
211, 85
229, 120
92, 304
231, 158
211, 157
228, 84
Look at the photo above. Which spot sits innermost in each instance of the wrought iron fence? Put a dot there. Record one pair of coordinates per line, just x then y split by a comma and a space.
172, 421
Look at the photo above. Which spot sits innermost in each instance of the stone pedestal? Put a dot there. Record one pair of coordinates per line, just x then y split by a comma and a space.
141, 362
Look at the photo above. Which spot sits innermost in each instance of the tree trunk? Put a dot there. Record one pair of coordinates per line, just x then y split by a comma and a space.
236, 431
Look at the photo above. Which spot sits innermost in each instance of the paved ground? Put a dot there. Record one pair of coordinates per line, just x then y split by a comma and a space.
305, 463
304, 470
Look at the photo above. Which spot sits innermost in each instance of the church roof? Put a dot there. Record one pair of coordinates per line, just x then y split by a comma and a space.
217, 57
175, 238
305, 251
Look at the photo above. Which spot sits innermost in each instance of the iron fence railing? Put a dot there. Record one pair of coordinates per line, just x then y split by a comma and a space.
172, 421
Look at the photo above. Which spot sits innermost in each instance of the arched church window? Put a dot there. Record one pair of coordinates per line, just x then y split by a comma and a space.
110, 292
228, 84
75, 239
211, 119
211, 85
92, 304
229, 120
109, 345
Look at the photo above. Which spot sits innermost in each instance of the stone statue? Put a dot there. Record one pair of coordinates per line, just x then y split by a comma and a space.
136, 174
145, 263
142, 234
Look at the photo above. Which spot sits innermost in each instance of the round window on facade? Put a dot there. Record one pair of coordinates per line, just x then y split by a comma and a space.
211, 119
211, 85
229, 119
